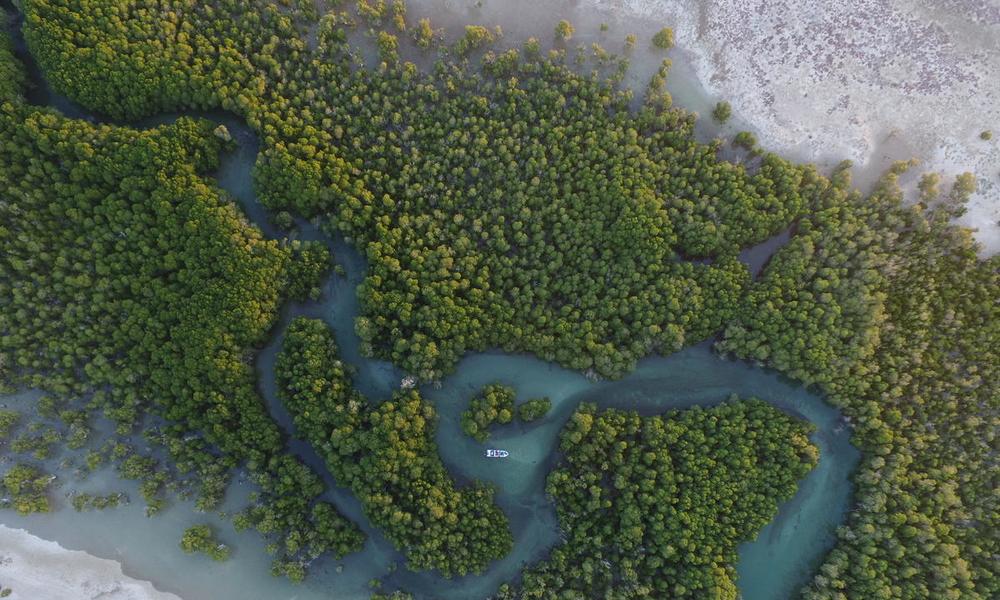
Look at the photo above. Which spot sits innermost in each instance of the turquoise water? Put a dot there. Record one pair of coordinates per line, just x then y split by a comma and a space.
770, 567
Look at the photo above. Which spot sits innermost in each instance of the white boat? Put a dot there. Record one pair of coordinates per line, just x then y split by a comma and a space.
494, 453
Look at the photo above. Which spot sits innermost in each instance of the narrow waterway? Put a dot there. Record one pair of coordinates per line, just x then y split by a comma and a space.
771, 567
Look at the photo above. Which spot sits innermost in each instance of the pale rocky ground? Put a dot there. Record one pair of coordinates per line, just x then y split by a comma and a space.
869, 80
36, 569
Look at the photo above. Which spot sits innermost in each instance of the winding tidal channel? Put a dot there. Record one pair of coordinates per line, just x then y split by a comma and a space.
771, 567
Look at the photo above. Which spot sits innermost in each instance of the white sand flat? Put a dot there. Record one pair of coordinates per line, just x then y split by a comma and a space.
37, 569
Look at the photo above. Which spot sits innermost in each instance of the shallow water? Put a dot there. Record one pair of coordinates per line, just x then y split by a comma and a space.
773, 566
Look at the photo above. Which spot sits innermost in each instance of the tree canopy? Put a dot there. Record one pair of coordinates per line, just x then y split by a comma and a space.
654, 507
128, 278
533, 409
533, 199
521, 205
387, 456
493, 404
889, 311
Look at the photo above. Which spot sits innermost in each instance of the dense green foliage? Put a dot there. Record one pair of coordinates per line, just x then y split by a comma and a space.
127, 278
928, 186
201, 538
534, 409
722, 111
38, 440
532, 200
82, 501
664, 38
8, 420
310, 263
11, 71
25, 489
564, 30
525, 208
476, 36
745, 140
493, 404
654, 507
889, 311
387, 456
397, 595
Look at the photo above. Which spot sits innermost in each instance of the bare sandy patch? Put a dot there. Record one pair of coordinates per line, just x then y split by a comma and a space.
34, 568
